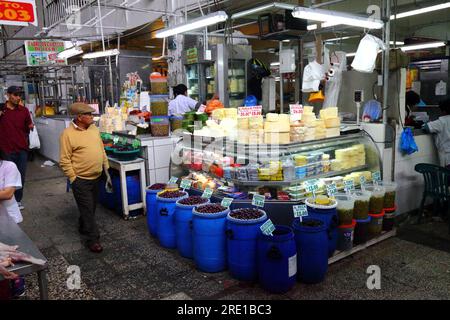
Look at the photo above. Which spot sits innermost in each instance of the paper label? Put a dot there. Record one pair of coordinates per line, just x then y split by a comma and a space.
186, 184
349, 185
311, 186
267, 228
249, 111
296, 111
258, 200
331, 189
292, 266
300, 210
207, 193
376, 176
362, 180
226, 202
173, 180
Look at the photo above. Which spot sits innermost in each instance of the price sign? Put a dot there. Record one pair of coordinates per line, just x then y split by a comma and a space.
185, 184
258, 200
376, 176
300, 211
362, 180
250, 111
268, 228
349, 185
311, 186
173, 180
226, 202
296, 111
207, 193
18, 13
116, 139
331, 190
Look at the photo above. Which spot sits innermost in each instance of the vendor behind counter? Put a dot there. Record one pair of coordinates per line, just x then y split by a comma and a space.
182, 103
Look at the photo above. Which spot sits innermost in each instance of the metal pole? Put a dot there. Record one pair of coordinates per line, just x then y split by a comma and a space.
387, 30
281, 78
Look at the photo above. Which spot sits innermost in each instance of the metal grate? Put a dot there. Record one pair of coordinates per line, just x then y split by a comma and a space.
57, 10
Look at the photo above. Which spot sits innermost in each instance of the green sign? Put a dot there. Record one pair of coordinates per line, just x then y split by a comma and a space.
185, 184
376, 176
226, 202
349, 185
116, 139
44, 53
173, 180
191, 55
267, 228
331, 189
300, 211
258, 200
207, 193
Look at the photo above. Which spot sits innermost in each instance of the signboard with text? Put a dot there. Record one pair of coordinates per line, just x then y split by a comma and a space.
296, 111
44, 53
250, 111
18, 13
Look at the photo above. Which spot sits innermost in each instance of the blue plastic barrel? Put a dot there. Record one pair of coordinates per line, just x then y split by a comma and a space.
150, 200
209, 240
312, 250
166, 221
329, 215
277, 260
133, 190
106, 199
183, 229
242, 239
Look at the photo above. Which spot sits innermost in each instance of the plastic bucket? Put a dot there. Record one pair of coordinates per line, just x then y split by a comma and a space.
183, 229
152, 219
312, 250
361, 207
376, 224
390, 188
106, 199
389, 219
209, 240
376, 204
345, 236
329, 215
361, 234
242, 238
277, 260
133, 191
166, 220
345, 205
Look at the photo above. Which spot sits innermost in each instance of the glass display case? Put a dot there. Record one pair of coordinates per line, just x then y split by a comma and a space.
280, 172
193, 80
210, 78
237, 82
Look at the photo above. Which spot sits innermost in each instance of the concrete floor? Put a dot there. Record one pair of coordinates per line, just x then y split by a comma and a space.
414, 265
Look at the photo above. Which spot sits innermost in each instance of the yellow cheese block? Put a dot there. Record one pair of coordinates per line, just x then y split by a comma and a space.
218, 114
276, 137
256, 122
272, 117
329, 113
333, 132
332, 122
320, 123
242, 123
308, 109
271, 126
230, 113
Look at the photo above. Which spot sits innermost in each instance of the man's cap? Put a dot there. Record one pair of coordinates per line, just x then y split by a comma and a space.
14, 89
80, 108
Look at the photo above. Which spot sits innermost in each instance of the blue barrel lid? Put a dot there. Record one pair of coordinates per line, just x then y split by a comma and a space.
297, 226
281, 234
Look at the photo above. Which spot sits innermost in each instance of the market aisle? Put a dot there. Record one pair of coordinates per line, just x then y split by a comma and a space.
134, 266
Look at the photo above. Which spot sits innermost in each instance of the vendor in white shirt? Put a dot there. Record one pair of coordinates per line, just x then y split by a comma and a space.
10, 181
182, 103
441, 127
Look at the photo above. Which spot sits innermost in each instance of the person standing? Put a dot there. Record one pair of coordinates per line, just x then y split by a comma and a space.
15, 126
83, 159
182, 103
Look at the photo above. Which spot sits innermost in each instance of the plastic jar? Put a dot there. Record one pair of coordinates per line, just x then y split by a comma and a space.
390, 188
361, 207
345, 205
158, 84
176, 122
376, 199
376, 224
159, 126
159, 105
389, 219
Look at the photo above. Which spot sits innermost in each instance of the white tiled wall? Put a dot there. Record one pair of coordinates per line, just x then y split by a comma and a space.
157, 155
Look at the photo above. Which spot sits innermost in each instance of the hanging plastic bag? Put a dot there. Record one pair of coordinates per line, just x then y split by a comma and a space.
407, 143
372, 110
35, 143
366, 54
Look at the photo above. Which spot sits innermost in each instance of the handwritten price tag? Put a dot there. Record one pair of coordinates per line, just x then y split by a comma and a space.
331, 189
296, 111
300, 210
207, 193
173, 180
376, 176
268, 228
311, 186
249, 111
185, 184
349, 185
226, 202
363, 181
258, 200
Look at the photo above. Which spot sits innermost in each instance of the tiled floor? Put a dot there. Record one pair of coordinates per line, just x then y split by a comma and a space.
414, 265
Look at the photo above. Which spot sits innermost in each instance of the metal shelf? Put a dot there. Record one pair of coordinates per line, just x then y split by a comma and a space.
289, 183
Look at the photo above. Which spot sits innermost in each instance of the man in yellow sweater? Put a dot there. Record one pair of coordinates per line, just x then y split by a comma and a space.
83, 160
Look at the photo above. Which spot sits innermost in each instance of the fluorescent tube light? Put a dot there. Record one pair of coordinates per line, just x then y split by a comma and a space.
334, 18
342, 38
274, 64
67, 53
427, 45
99, 54
203, 21
420, 11
351, 54
398, 43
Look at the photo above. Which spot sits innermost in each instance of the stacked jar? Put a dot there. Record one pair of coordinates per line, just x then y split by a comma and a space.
345, 206
389, 204
376, 207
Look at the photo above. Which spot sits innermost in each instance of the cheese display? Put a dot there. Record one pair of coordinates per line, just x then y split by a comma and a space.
354, 156
332, 122
333, 132
272, 117
276, 137
256, 122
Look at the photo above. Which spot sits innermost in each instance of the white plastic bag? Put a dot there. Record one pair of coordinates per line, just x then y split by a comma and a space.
35, 143
366, 54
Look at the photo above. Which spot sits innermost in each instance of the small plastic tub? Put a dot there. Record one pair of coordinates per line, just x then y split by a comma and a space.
376, 204
362, 201
345, 205
389, 219
361, 234
376, 224
345, 236
390, 188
